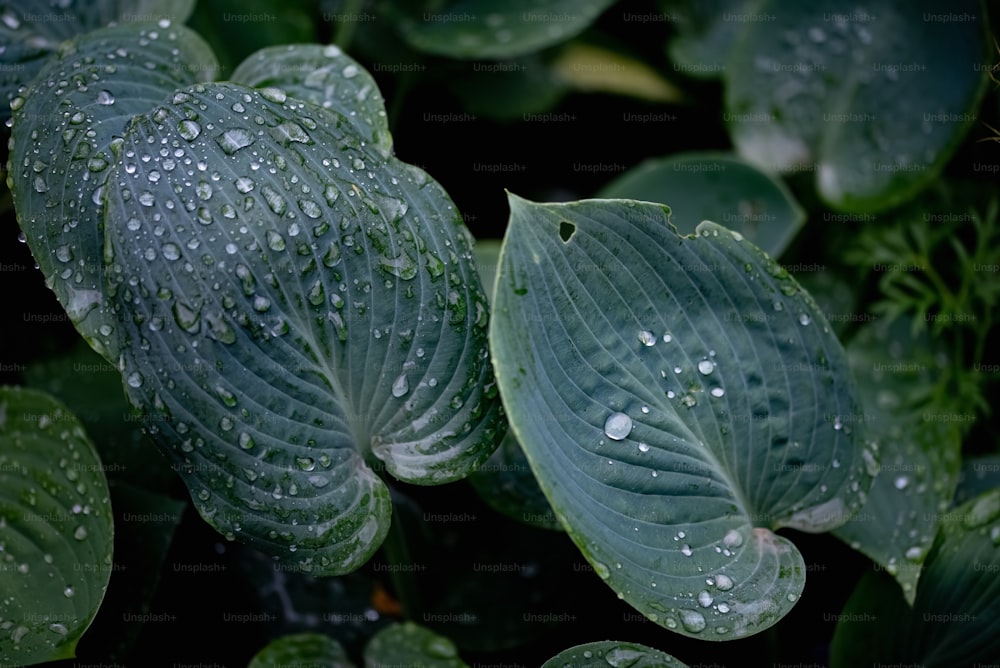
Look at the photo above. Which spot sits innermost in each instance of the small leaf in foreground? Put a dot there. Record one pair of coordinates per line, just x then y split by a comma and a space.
56, 529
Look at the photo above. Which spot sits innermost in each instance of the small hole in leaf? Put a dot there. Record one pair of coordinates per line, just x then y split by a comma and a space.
566, 230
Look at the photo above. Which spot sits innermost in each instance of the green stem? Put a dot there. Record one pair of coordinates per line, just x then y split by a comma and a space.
344, 33
397, 556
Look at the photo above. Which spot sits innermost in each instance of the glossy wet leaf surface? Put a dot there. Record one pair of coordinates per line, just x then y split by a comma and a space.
875, 98
955, 619
411, 644
679, 399
299, 310
920, 456
495, 28
303, 649
612, 654
717, 187
56, 529
64, 125
32, 30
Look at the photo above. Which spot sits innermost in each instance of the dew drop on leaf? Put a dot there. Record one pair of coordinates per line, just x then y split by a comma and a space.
692, 620
723, 582
705, 367
80, 533
646, 337
234, 139
105, 98
189, 129
618, 426
400, 386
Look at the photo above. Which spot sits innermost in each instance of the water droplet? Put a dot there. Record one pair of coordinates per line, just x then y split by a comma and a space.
692, 620
914, 553
723, 582
400, 386
244, 184
646, 337
804, 319
601, 570
80, 533
170, 251
187, 318
274, 200
273, 94
246, 441
705, 599
289, 132
618, 426
686, 550
69, 592
705, 367
718, 392
643, 447
58, 628
105, 97
275, 241
792, 597
440, 648
403, 266
310, 208
135, 379
233, 139
189, 129
733, 538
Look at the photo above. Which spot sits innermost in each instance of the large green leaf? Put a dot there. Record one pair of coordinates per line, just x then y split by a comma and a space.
919, 456
497, 28
409, 644
32, 30
706, 33
679, 399
302, 649
612, 654
56, 529
325, 76
955, 619
64, 125
875, 97
718, 187
299, 310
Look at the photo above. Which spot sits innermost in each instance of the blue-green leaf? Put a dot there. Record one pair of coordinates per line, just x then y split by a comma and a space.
302, 649
56, 529
409, 644
718, 187
497, 28
875, 98
299, 311
60, 158
919, 457
955, 619
679, 399
325, 76
32, 30
609, 653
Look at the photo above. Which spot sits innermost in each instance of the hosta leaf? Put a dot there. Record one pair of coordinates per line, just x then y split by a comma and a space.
612, 654
875, 98
31, 30
679, 399
706, 33
955, 619
56, 529
325, 76
298, 311
497, 28
919, 457
409, 644
64, 125
719, 187
302, 649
